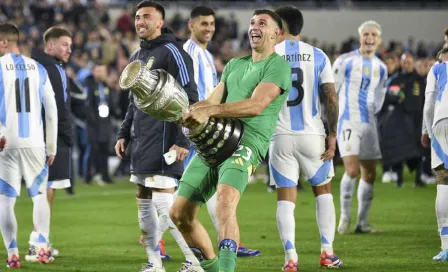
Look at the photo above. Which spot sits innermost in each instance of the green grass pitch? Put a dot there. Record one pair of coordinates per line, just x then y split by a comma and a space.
98, 231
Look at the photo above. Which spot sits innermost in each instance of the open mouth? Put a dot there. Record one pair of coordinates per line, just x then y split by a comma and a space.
370, 43
255, 37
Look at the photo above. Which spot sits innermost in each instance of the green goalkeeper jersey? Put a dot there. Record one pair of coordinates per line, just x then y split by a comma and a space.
241, 76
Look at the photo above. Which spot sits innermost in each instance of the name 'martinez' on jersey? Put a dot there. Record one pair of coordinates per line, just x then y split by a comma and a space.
310, 68
24, 87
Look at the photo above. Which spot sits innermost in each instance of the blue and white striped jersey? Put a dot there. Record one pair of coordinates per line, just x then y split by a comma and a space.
437, 81
205, 74
361, 86
24, 88
310, 68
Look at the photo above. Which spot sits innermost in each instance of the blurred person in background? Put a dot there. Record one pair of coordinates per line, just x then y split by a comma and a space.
393, 66
98, 124
360, 79
400, 121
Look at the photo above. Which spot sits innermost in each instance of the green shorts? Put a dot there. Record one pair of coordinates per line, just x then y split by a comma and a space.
200, 181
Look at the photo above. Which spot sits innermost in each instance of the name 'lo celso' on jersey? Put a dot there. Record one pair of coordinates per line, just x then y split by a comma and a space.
24, 89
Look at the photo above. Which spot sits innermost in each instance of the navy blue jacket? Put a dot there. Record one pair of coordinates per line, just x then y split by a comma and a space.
61, 87
147, 137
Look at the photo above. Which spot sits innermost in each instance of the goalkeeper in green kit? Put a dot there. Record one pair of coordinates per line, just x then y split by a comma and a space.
254, 88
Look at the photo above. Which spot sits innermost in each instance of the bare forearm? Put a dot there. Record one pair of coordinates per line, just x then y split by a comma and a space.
202, 103
243, 108
331, 108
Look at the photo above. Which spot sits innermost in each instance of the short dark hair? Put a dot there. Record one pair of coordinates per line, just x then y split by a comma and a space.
391, 56
293, 19
55, 32
201, 11
9, 31
272, 14
152, 4
446, 31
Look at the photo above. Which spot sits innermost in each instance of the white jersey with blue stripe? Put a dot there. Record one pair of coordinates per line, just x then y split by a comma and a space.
437, 81
361, 86
24, 88
205, 74
310, 68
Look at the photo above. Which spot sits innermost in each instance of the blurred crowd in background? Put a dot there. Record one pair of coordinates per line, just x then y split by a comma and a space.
99, 40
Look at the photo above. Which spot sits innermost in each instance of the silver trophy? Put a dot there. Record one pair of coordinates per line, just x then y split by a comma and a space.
158, 94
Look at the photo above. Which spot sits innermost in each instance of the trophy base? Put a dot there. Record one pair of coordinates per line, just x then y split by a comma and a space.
216, 140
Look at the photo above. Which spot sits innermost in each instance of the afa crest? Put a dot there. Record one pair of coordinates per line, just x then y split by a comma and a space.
150, 62
416, 89
366, 71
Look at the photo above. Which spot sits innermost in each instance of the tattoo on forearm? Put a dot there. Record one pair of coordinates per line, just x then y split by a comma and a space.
442, 176
331, 107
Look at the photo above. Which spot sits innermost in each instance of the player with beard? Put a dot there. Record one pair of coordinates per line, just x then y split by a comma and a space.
360, 80
253, 88
58, 42
202, 27
150, 138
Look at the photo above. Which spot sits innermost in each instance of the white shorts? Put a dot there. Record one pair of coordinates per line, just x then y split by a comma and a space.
27, 163
290, 154
154, 181
439, 144
359, 139
58, 184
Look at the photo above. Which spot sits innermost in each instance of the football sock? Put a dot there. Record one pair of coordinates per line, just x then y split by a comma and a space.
287, 226
163, 203
442, 213
34, 236
149, 223
211, 207
326, 221
8, 224
227, 255
365, 196
211, 265
347, 190
41, 220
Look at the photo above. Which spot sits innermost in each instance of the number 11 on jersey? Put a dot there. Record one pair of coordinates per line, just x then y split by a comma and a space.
22, 89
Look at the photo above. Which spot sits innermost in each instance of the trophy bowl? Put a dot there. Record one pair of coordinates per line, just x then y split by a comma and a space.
159, 95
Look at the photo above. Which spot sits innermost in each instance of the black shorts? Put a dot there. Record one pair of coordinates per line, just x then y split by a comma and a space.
62, 165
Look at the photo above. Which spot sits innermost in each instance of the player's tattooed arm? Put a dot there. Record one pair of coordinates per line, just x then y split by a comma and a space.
331, 107
441, 175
